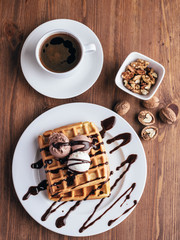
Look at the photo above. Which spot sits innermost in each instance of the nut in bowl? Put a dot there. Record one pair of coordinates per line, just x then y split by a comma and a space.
153, 68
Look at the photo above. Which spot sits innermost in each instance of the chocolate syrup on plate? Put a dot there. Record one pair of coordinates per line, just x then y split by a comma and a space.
126, 137
106, 125
50, 210
127, 210
34, 190
85, 225
37, 165
60, 221
130, 160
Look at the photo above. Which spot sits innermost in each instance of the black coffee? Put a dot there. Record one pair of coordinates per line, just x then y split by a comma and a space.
60, 53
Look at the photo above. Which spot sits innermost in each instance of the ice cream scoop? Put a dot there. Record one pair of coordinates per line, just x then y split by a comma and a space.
79, 162
81, 143
59, 145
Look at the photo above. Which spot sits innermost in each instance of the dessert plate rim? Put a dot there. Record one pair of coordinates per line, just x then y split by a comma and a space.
64, 115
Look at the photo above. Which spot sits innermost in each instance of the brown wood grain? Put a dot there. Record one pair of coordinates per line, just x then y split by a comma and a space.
150, 27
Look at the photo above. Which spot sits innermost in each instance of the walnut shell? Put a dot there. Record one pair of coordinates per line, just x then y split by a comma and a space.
167, 115
151, 103
149, 133
146, 118
174, 107
122, 107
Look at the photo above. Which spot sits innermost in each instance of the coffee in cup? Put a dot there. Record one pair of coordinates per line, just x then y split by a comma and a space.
60, 53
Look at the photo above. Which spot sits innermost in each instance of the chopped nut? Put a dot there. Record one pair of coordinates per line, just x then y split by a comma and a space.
146, 78
154, 74
137, 78
146, 118
151, 103
133, 85
169, 114
127, 75
153, 81
136, 91
148, 86
125, 82
140, 71
144, 92
122, 107
149, 133
140, 78
131, 68
137, 87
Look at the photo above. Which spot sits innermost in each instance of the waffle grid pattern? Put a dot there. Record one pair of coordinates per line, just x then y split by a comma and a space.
84, 183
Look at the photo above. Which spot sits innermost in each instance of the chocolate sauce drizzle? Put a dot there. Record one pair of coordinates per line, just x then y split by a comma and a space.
60, 144
48, 162
98, 178
34, 190
126, 137
50, 210
69, 179
44, 149
85, 225
106, 125
86, 145
94, 190
37, 165
97, 153
130, 160
60, 221
127, 210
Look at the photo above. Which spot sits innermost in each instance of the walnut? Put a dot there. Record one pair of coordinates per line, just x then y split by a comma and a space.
149, 133
144, 92
139, 78
141, 72
151, 103
127, 75
146, 118
169, 113
129, 67
146, 78
122, 107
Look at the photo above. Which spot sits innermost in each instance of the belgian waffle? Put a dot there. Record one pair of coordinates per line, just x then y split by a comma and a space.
67, 186
96, 191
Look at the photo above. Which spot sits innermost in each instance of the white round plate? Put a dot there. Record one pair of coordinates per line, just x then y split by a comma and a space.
27, 152
69, 87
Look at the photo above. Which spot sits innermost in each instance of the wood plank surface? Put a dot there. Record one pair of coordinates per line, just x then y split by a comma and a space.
149, 27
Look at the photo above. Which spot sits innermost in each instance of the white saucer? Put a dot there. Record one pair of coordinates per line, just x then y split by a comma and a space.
67, 87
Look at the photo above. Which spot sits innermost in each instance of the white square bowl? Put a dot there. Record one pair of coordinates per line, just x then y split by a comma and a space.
158, 68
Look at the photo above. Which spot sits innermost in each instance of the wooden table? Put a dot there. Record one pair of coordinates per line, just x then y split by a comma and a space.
149, 27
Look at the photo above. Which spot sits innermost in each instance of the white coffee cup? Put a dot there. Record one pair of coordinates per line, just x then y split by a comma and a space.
85, 49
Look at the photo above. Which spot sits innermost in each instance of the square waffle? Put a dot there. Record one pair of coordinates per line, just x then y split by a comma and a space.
67, 186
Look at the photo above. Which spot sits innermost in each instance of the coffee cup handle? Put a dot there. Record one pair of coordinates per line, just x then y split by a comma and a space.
89, 48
